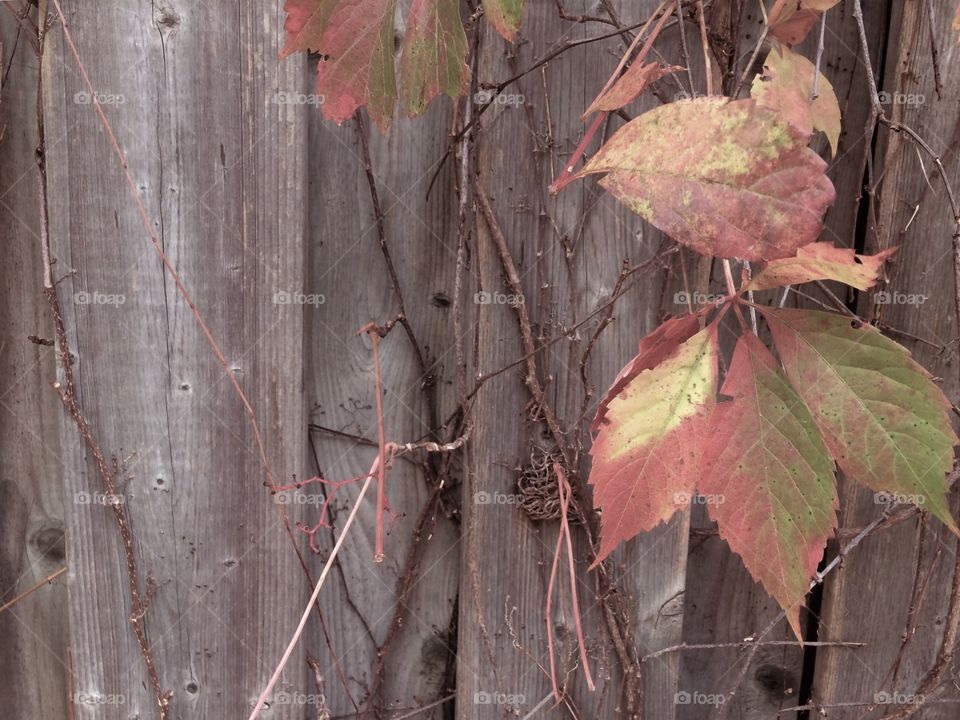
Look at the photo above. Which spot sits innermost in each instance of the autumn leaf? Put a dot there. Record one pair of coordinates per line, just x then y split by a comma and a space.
822, 261
786, 86
654, 349
791, 20
356, 39
956, 20
505, 15
645, 455
434, 48
727, 178
306, 22
880, 414
769, 478
629, 86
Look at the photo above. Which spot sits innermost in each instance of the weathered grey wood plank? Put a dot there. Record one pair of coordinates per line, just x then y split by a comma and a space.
346, 265
568, 251
33, 676
907, 568
191, 89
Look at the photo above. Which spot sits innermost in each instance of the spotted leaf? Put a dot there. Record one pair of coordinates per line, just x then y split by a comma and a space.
786, 86
769, 478
727, 178
650, 438
880, 414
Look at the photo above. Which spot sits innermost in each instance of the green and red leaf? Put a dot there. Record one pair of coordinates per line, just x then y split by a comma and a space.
769, 477
654, 349
880, 414
727, 178
434, 48
305, 24
356, 41
823, 261
786, 86
504, 15
765, 455
648, 448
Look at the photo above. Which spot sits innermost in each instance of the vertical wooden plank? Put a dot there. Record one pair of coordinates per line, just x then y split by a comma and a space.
33, 677
347, 267
906, 570
568, 252
188, 90
723, 604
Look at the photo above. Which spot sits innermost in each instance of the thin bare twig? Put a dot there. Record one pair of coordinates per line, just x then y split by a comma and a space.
48, 580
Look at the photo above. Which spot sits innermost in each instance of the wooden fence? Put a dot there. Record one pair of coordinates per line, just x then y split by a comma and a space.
266, 212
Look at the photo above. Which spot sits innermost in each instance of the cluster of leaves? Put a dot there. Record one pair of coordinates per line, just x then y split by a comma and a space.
355, 39
763, 446
732, 178
735, 178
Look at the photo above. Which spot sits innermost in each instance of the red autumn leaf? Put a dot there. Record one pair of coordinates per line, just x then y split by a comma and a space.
823, 261
646, 453
630, 85
880, 414
786, 86
791, 20
768, 477
356, 39
505, 15
654, 349
727, 178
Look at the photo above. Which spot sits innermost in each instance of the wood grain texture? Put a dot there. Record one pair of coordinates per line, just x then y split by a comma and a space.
347, 266
265, 210
894, 591
188, 91
568, 251
34, 631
